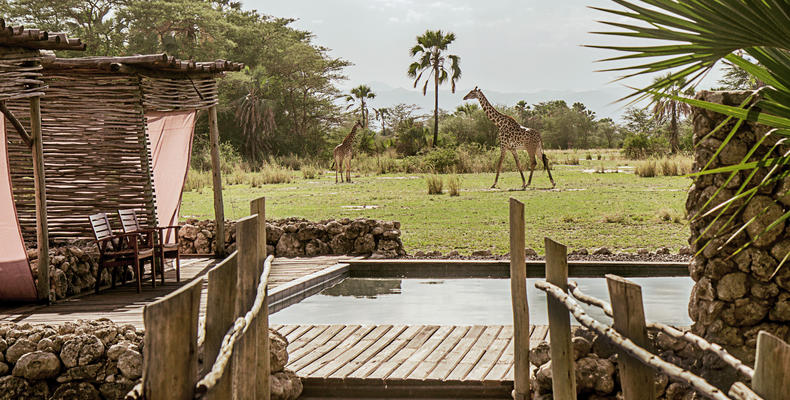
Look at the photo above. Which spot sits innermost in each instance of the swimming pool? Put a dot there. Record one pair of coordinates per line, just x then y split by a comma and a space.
465, 302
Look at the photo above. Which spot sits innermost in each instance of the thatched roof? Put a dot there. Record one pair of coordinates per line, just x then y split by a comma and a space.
18, 36
153, 62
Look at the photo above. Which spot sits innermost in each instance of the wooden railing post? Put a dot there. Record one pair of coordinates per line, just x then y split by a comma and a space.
771, 367
245, 355
258, 206
636, 378
562, 369
39, 183
170, 348
220, 315
518, 293
216, 174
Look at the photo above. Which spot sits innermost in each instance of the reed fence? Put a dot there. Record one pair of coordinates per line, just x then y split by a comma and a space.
637, 363
234, 337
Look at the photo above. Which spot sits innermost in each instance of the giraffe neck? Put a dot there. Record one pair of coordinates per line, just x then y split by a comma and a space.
350, 137
495, 116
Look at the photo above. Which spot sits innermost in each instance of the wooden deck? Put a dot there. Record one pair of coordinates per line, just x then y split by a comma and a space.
125, 306
403, 361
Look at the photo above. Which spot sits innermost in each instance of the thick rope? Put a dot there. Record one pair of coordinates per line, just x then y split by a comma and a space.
234, 334
650, 359
687, 336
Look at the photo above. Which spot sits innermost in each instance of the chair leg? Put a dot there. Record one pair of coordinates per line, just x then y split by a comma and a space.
162, 264
153, 272
139, 275
178, 266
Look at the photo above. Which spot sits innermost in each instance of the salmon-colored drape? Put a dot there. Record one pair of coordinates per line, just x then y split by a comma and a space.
16, 278
171, 147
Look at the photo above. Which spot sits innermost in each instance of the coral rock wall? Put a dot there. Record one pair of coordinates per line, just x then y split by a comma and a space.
736, 297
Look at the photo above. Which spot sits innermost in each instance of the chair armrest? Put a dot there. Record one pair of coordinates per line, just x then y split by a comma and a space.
161, 228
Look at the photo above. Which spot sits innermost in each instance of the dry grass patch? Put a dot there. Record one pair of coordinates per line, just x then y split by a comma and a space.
454, 185
435, 184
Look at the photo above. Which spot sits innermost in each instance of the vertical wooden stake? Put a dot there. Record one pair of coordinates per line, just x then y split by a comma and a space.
636, 378
216, 174
220, 315
772, 367
518, 293
258, 206
562, 368
42, 239
245, 357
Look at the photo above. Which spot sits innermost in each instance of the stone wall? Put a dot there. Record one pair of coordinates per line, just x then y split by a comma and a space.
72, 269
736, 297
296, 237
94, 360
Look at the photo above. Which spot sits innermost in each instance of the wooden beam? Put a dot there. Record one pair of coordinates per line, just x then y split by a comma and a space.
245, 357
263, 391
518, 293
216, 174
562, 364
220, 316
637, 379
772, 367
42, 230
17, 125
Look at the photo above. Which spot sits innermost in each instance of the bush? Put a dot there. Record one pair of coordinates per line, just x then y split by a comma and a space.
667, 215
435, 184
310, 171
441, 160
454, 185
197, 179
272, 173
674, 166
572, 160
412, 138
646, 168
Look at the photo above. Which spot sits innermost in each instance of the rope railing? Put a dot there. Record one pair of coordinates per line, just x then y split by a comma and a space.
234, 334
646, 357
673, 332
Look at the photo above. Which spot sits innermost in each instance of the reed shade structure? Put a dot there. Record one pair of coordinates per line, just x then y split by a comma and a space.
21, 82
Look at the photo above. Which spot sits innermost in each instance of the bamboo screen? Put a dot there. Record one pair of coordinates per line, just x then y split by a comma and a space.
20, 74
179, 92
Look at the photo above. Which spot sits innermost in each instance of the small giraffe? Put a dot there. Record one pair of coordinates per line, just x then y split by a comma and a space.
513, 137
344, 152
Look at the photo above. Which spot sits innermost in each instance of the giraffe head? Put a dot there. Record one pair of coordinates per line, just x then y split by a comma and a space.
473, 94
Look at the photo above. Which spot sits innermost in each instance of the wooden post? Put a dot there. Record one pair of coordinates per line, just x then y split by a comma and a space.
772, 367
562, 369
636, 378
245, 356
170, 348
258, 206
42, 229
216, 174
518, 293
220, 316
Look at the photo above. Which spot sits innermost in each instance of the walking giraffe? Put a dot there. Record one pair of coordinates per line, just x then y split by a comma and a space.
513, 137
343, 153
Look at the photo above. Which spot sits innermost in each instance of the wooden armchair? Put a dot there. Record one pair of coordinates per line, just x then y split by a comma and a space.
119, 250
162, 250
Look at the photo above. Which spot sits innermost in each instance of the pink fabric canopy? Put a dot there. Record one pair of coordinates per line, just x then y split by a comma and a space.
16, 278
171, 147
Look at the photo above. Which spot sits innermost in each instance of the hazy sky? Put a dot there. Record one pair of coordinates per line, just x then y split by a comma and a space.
504, 45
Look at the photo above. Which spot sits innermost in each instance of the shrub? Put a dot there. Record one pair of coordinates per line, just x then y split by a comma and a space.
572, 160
272, 173
197, 180
310, 171
588, 157
435, 184
441, 160
668, 215
412, 138
646, 168
454, 185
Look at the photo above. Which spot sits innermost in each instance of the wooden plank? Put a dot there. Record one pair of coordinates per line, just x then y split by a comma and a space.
385, 368
216, 179
326, 347
363, 344
220, 315
771, 367
419, 356
39, 179
562, 369
312, 332
391, 349
539, 333
319, 341
474, 354
518, 297
285, 329
491, 355
258, 206
339, 350
371, 351
245, 354
636, 378
451, 360
500, 368
432, 360
170, 348
297, 333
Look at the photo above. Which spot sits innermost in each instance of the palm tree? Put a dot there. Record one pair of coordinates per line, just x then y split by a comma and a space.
430, 55
467, 109
667, 108
361, 93
255, 115
382, 114
690, 37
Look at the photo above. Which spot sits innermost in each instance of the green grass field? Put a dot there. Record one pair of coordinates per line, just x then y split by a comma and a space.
618, 210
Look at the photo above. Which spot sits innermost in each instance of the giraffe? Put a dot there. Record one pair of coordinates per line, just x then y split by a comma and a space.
343, 153
513, 137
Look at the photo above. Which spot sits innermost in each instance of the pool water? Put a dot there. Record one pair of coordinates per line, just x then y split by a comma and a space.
466, 302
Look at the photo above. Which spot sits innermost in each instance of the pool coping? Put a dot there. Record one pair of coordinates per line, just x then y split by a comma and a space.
299, 289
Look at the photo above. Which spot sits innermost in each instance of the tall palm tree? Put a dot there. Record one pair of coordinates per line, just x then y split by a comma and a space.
361, 93
382, 113
666, 108
430, 52
690, 37
255, 115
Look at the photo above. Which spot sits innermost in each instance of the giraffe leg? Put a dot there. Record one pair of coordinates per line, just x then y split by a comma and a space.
499, 167
532, 164
546, 165
518, 165
348, 170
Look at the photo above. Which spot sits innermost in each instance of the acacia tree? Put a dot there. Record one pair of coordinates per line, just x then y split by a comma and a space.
430, 52
361, 93
670, 109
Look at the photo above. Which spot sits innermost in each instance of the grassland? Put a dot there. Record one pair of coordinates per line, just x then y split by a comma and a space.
587, 209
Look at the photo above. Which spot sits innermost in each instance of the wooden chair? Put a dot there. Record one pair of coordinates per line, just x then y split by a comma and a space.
162, 250
119, 250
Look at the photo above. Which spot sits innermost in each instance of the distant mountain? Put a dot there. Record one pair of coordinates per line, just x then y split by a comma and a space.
600, 101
